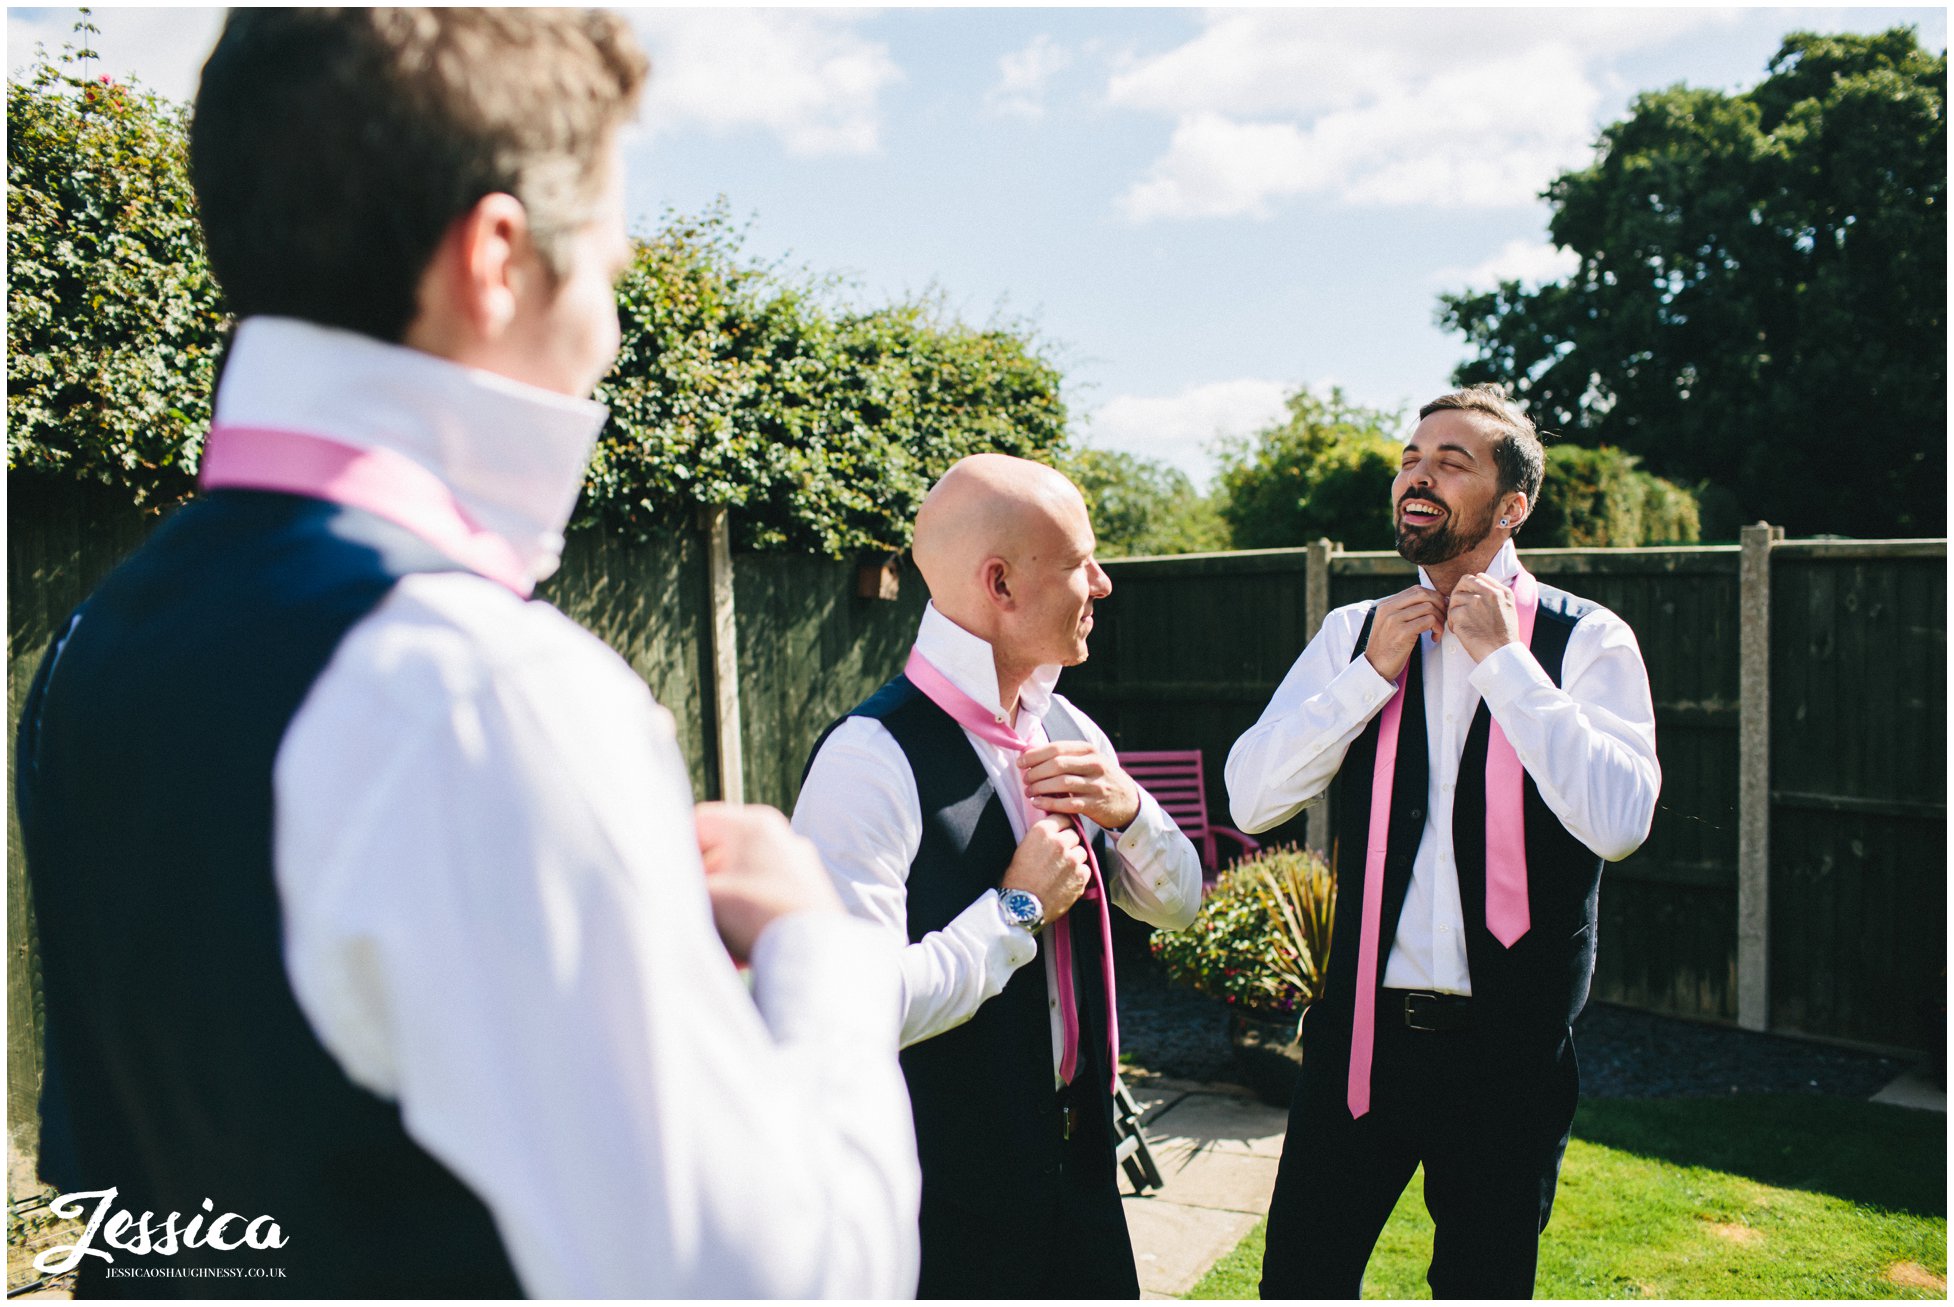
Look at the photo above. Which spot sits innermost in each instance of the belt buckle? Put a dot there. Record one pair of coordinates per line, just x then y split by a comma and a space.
1410, 1000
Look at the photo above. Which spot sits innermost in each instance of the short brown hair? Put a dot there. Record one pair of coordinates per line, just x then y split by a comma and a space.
1519, 456
332, 148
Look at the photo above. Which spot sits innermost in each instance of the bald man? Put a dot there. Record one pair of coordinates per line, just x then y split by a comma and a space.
954, 808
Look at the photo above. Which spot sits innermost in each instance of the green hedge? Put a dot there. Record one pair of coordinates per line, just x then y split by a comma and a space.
1602, 497
113, 320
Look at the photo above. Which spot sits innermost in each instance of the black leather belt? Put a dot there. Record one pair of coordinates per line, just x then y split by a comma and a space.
1423, 1010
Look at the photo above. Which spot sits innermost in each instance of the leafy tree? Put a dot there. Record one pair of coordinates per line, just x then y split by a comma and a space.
1141, 506
739, 384
113, 320
1761, 291
1599, 497
1325, 470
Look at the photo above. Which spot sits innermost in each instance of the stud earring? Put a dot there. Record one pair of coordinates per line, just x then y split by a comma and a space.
1502, 521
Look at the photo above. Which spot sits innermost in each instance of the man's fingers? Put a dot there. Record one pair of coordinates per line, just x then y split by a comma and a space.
1046, 752
1057, 829
1076, 763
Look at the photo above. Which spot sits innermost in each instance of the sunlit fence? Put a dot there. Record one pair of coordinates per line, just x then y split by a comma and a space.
1795, 879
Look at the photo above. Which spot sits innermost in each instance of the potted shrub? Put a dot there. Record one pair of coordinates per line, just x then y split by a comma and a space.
1259, 945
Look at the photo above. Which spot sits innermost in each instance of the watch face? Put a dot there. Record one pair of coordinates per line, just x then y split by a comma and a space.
1021, 907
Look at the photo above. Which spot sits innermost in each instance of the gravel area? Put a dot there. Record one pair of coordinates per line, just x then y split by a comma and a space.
1170, 1031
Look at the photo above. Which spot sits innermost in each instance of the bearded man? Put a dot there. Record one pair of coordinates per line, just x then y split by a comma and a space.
1492, 744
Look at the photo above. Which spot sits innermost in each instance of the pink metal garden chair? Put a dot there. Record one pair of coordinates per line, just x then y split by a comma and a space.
1175, 779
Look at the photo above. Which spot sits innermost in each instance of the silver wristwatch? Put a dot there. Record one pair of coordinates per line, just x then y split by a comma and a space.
1021, 908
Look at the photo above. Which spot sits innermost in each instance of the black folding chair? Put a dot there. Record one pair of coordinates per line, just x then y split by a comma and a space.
1135, 1158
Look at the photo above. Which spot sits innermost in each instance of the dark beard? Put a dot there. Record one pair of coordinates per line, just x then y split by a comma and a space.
1446, 543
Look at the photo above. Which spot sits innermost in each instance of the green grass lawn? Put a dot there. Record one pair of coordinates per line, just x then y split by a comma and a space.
1781, 1196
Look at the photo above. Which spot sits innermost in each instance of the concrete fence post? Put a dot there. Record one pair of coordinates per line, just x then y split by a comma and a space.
725, 655
1754, 776
1316, 607
1316, 586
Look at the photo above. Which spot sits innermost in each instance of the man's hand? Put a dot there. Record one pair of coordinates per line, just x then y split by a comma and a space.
1070, 776
1482, 615
757, 870
1051, 863
1397, 624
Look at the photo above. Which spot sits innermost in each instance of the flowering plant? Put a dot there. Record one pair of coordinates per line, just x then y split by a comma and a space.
1262, 937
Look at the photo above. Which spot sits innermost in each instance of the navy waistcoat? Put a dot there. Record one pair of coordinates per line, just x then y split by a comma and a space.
987, 1117
179, 1066
1533, 991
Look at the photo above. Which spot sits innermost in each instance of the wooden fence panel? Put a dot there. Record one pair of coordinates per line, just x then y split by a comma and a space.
1186, 652
1858, 791
650, 602
809, 650
62, 539
1668, 938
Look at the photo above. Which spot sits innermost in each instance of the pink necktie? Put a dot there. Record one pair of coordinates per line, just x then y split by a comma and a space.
990, 727
382, 482
1506, 852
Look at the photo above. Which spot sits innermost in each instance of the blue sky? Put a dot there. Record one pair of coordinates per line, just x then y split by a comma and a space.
1198, 209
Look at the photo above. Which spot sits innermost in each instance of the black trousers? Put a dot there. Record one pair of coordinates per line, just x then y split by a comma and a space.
1064, 1237
1487, 1115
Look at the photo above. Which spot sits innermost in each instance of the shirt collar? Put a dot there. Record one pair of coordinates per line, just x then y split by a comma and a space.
513, 454
1504, 567
968, 662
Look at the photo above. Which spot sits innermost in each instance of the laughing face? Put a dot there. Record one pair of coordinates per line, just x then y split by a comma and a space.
1446, 494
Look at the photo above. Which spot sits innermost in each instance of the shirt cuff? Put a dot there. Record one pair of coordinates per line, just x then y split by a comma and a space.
1007, 944
1360, 689
1145, 842
829, 975
1507, 675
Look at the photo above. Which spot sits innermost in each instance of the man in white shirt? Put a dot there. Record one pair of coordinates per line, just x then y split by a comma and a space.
950, 808
371, 897
1492, 741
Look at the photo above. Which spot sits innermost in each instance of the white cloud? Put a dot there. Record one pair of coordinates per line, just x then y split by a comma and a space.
1022, 75
1216, 167
808, 77
1532, 262
1265, 62
1443, 142
1460, 108
1181, 429
164, 49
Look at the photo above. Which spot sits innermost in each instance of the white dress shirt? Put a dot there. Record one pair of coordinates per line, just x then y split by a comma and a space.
1589, 746
860, 807
495, 913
